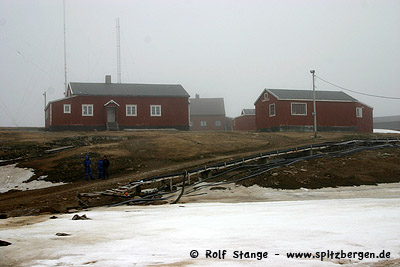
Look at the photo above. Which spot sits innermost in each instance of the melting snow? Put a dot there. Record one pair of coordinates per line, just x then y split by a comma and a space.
162, 235
385, 131
12, 177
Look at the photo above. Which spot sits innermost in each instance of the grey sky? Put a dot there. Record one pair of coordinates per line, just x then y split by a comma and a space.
230, 49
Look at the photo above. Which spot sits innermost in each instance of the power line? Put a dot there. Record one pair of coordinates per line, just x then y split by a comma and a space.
4, 108
380, 96
37, 66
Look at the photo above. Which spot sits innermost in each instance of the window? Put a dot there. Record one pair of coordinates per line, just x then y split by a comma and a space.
67, 108
359, 112
131, 110
155, 110
272, 110
217, 123
87, 109
203, 123
266, 96
299, 109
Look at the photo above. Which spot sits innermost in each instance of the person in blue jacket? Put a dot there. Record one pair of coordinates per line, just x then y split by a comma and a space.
88, 170
100, 169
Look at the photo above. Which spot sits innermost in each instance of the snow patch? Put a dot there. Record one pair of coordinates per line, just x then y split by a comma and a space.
12, 177
386, 131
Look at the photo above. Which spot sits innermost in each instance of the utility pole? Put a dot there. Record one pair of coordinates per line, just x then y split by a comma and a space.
315, 109
45, 102
44, 94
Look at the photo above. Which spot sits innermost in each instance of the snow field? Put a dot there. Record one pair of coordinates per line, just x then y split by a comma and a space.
152, 235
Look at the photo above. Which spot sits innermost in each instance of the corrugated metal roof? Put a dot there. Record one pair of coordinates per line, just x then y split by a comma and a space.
126, 89
207, 106
248, 111
287, 94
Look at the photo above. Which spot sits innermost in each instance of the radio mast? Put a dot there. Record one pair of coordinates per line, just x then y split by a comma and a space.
118, 53
65, 54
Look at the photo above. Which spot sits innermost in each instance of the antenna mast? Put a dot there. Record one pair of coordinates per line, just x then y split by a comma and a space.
65, 54
118, 53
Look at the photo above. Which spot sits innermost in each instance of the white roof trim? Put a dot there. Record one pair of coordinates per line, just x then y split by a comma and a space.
265, 90
246, 115
317, 100
365, 104
111, 102
70, 88
58, 100
269, 92
310, 99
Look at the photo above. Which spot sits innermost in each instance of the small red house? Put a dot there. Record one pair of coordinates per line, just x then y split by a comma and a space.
101, 106
246, 121
208, 114
292, 110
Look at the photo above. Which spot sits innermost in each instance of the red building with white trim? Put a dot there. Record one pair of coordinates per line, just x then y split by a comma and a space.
246, 121
101, 106
208, 114
292, 110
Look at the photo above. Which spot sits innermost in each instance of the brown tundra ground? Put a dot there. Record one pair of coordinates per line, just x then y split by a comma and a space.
136, 155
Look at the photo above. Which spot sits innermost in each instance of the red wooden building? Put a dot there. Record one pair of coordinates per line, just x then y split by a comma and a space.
208, 114
246, 121
292, 110
101, 106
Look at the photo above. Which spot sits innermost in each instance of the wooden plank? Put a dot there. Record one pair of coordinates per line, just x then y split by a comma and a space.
58, 149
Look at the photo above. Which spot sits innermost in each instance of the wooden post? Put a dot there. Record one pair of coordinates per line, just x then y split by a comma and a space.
170, 184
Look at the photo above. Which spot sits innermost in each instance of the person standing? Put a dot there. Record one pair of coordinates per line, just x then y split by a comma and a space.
88, 170
100, 169
106, 164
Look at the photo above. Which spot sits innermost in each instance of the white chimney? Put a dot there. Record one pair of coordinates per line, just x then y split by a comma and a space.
108, 78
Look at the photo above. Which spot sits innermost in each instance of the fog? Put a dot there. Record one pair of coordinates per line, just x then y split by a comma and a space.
229, 49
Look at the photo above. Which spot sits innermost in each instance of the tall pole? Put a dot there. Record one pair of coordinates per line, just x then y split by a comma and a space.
44, 94
118, 53
65, 54
45, 101
315, 109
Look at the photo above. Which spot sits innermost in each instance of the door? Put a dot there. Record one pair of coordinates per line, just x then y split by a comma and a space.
111, 114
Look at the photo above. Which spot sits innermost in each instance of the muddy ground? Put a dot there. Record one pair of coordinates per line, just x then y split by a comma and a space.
363, 168
140, 154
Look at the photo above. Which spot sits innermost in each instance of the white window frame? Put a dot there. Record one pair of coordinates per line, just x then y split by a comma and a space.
128, 110
298, 103
270, 113
87, 114
155, 113
266, 96
69, 109
203, 123
359, 112
218, 123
